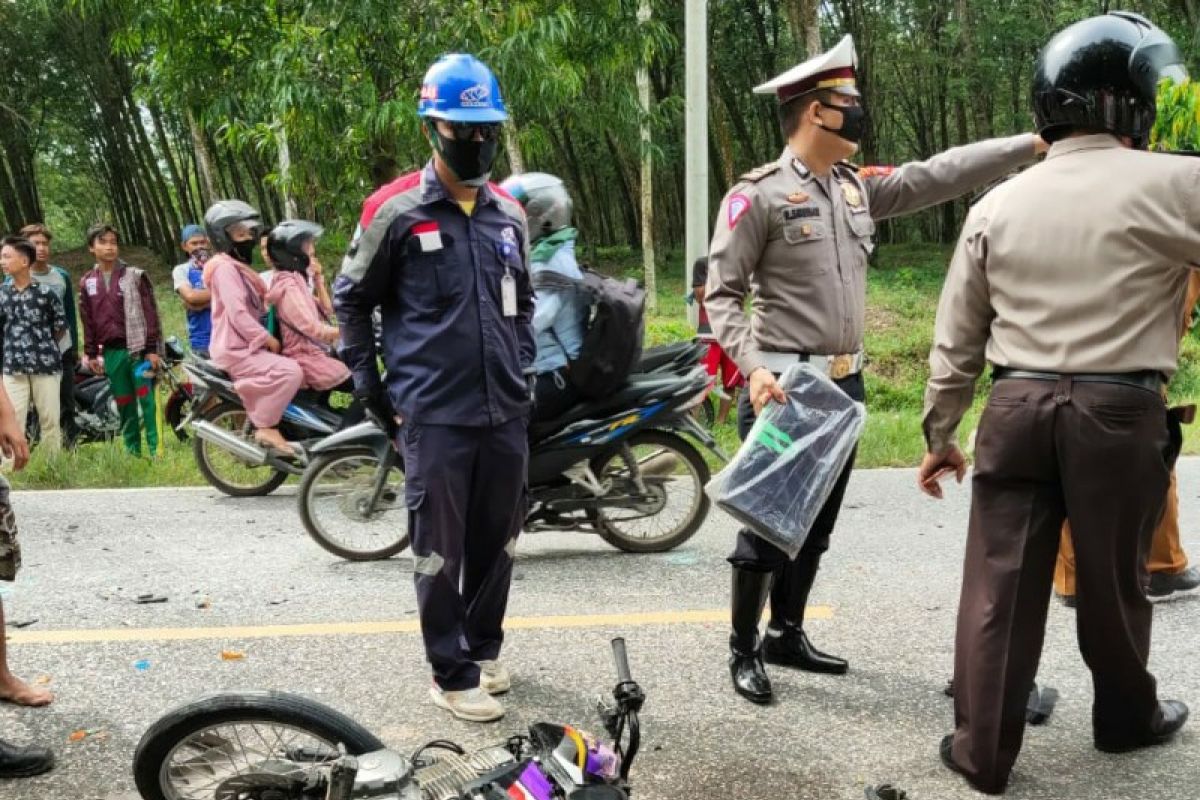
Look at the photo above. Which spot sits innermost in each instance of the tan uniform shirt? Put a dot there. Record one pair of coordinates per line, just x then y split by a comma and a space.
1075, 266
799, 245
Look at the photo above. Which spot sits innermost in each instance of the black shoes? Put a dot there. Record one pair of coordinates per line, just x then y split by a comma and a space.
791, 647
24, 762
1174, 715
946, 751
1163, 585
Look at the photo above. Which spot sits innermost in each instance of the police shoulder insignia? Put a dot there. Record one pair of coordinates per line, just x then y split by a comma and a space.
758, 173
875, 171
738, 205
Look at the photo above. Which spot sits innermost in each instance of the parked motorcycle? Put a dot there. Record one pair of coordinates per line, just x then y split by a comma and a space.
260, 745
96, 415
224, 445
624, 467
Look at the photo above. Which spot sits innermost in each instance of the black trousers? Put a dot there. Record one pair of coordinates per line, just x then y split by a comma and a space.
1096, 454
757, 554
466, 495
66, 398
553, 395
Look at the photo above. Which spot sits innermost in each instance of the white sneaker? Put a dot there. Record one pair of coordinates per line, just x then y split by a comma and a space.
494, 678
472, 705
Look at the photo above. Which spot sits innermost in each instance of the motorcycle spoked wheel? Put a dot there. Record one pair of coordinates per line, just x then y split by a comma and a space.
669, 466
243, 745
333, 494
225, 471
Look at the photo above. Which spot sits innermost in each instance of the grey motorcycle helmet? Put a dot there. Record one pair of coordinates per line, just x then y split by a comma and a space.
285, 243
548, 205
224, 213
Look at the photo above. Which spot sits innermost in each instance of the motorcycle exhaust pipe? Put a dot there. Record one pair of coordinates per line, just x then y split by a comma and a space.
247, 451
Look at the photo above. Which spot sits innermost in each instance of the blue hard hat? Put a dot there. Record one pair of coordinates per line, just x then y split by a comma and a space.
460, 88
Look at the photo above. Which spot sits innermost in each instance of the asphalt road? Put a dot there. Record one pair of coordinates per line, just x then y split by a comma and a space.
342, 633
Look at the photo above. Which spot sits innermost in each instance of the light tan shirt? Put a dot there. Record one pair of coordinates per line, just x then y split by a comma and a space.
1075, 266
798, 245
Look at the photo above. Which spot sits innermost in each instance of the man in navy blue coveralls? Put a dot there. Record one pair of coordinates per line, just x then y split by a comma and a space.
443, 253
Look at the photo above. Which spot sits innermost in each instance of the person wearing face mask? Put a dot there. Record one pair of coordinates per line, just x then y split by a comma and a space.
444, 253
265, 380
188, 281
308, 339
796, 235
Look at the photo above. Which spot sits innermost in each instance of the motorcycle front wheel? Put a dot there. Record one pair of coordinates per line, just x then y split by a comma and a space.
674, 505
251, 744
225, 471
335, 506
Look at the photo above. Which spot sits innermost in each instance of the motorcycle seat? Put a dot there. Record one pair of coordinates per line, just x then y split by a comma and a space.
656, 357
638, 391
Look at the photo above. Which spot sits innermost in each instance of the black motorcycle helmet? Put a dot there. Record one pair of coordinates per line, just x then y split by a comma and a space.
285, 244
225, 213
1102, 75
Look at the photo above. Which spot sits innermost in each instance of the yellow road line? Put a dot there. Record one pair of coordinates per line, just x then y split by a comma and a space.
717, 615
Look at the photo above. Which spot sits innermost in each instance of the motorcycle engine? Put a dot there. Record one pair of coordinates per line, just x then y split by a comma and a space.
445, 775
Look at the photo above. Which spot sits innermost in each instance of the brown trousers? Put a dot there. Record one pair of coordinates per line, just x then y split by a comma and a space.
1166, 551
1045, 452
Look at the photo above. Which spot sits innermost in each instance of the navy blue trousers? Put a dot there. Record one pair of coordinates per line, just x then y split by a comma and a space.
466, 494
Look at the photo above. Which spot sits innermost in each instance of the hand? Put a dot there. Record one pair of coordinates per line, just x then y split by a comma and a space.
1040, 145
936, 467
154, 360
94, 363
314, 267
764, 388
273, 344
330, 335
12, 440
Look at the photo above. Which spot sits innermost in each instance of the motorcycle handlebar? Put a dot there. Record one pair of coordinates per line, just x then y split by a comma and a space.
622, 660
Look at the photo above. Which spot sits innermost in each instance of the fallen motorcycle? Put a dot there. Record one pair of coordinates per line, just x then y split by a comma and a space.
624, 467
277, 746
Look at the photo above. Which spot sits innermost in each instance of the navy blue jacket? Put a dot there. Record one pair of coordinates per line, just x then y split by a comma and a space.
451, 356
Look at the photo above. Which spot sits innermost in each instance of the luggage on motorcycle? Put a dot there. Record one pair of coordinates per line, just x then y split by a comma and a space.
612, 341
786, 468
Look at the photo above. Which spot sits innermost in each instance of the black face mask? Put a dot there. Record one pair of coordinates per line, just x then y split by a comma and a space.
470, 161
853, 122
244, 251
201, 255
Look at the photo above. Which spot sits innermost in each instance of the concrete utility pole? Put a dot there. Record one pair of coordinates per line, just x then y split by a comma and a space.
696, 134
643, 82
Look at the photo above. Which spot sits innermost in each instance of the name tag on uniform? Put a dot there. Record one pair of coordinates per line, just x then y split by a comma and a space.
92, 286
802, 212
508, 295
429, 237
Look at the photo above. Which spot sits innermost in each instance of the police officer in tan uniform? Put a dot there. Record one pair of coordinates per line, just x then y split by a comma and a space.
1050, 283
795, 235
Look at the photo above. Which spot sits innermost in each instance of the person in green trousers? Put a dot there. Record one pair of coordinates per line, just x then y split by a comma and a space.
121, 330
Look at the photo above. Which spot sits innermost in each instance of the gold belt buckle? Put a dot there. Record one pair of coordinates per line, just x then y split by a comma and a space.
840, 367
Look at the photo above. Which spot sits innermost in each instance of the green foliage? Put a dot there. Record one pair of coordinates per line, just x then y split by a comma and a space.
1177, 126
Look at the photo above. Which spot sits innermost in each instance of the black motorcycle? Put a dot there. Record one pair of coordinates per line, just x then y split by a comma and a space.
624, 467
277, 746
224, 445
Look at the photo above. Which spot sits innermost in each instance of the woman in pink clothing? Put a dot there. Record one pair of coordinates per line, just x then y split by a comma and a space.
306, 337
265, 380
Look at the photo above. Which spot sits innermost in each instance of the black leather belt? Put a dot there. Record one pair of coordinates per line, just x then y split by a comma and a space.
1149, 380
